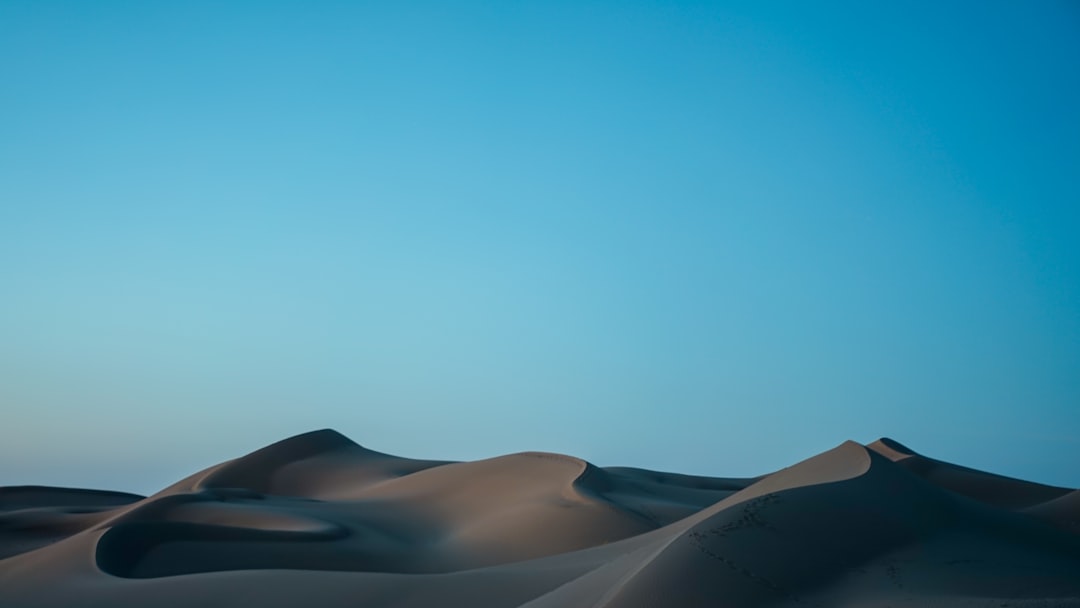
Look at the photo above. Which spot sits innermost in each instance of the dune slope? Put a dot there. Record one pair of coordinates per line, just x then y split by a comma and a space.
317, 519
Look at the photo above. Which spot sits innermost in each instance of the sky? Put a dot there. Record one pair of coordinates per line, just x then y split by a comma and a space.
708, 237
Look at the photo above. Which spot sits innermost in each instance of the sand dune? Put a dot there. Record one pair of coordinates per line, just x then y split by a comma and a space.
319, 520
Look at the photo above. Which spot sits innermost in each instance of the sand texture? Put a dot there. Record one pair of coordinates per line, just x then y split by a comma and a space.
317, 520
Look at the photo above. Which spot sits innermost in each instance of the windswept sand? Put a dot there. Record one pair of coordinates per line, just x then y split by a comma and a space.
317, 520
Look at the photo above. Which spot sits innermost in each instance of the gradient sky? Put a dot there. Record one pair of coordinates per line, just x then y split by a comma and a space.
716, 238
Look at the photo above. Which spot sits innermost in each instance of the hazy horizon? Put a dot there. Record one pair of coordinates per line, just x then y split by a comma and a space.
712, 238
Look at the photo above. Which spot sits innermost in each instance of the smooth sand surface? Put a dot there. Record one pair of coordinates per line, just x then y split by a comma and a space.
317, 520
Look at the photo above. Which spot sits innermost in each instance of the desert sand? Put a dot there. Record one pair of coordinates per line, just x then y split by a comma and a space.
317, 520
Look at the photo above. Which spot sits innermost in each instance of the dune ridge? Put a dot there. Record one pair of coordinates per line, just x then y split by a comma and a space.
319, 519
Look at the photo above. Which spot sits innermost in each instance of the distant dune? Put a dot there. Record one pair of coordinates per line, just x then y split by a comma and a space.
319, 521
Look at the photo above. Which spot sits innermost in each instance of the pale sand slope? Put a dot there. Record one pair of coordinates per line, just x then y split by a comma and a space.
317, 520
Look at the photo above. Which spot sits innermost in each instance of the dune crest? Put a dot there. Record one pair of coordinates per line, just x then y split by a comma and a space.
992, 489
318, 519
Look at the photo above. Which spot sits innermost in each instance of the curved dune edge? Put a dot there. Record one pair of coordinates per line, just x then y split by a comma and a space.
319, 519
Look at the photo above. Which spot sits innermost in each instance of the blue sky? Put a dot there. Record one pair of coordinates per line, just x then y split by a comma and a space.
707, 237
